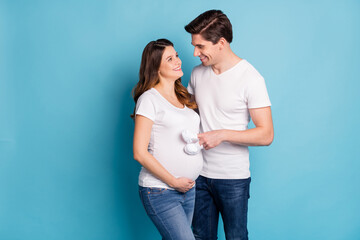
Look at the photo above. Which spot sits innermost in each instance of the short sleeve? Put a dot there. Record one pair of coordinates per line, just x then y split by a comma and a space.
256, 93
145, 107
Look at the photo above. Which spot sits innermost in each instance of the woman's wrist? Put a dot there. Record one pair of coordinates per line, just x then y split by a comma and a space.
172, 182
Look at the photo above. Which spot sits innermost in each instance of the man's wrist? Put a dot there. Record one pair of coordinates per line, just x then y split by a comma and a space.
224, 135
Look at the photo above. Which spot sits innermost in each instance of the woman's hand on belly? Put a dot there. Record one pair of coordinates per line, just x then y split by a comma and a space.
182, 184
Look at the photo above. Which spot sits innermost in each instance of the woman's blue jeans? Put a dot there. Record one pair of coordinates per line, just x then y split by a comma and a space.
171, 211
227, 196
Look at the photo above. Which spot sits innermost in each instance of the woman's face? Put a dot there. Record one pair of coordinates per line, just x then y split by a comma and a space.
170, 66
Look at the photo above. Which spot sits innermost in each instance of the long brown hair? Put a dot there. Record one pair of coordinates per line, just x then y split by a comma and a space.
149, 76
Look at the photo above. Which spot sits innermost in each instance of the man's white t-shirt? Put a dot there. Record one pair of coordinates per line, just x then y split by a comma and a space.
224, 101
166, 143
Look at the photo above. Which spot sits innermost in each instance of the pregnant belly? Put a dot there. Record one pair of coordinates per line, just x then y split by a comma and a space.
185, 165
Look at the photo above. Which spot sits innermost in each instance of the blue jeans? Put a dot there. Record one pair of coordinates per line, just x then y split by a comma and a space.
171, 211
227, 196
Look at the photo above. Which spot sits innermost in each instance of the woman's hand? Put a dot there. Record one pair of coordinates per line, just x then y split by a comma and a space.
182, 184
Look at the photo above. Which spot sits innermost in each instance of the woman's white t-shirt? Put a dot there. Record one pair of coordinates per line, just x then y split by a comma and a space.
166, 143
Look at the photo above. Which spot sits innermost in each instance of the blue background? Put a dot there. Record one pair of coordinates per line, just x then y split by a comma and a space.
66, 73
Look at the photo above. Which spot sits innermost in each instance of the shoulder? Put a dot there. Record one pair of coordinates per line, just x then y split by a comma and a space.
199, 69
251, 71
148, 95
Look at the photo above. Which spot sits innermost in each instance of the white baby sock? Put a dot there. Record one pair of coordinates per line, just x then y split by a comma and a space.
192, 146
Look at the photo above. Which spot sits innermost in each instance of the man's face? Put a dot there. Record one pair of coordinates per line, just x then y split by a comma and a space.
206, 50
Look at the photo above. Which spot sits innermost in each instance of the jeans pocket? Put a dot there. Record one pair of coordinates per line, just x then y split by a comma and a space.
152, 190
157, 200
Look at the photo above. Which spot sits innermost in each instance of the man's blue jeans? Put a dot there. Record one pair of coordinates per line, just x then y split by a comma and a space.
227, 196
171, 211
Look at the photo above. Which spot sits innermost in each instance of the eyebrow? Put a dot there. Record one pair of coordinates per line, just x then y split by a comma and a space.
172, 55
197, 45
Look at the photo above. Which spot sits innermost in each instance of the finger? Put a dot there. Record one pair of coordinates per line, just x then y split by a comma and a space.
201, 138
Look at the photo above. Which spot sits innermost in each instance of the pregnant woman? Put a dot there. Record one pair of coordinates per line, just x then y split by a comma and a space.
163, 111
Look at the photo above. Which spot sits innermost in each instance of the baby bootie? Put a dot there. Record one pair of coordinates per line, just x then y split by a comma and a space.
192, 146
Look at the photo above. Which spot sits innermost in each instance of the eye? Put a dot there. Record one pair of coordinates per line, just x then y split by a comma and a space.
169, 59
177, 55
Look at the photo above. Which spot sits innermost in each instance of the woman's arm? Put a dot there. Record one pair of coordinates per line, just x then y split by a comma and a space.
142, 135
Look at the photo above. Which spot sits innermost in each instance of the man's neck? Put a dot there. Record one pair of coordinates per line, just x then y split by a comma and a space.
226, 61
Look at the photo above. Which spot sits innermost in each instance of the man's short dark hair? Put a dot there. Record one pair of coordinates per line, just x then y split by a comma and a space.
211, 25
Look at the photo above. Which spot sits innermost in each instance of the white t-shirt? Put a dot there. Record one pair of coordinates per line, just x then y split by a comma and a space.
224, 101
166, 143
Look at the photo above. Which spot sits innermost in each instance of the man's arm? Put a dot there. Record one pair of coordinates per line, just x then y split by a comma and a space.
261, 135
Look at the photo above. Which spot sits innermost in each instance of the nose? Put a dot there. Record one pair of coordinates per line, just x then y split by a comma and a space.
178, 61
196, 52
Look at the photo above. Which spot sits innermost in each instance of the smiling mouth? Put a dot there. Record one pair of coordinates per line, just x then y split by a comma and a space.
203, 58
177, 69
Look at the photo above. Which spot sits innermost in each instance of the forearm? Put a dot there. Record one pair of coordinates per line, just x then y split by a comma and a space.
258, 136
151, 164
261, 135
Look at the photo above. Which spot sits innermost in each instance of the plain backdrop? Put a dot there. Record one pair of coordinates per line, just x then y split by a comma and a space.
67, 69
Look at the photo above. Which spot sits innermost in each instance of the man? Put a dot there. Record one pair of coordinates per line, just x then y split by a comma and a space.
229, 91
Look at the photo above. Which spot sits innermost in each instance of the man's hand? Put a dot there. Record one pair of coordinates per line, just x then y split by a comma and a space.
211, 139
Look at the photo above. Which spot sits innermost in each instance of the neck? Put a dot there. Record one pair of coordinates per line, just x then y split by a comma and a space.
225, 62
166, 87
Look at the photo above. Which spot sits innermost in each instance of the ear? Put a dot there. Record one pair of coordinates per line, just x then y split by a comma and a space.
222, 43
